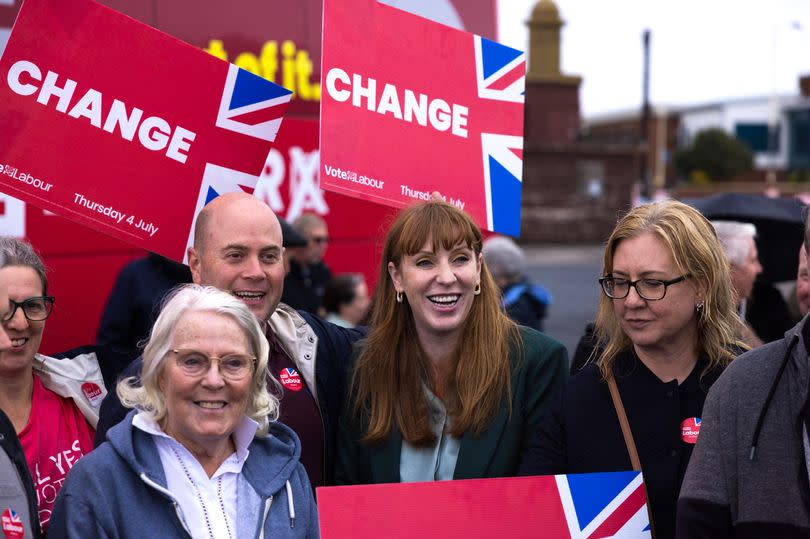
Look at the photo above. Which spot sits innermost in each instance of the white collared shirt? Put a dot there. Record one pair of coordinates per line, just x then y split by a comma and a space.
198, 495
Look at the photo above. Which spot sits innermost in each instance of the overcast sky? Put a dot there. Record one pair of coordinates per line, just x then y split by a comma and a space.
702, 50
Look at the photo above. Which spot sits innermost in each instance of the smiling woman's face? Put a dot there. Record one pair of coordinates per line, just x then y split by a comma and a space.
22, 283
203, 411
438, 285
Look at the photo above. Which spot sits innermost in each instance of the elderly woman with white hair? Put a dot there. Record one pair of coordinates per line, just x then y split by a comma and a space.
202, 455
525, 302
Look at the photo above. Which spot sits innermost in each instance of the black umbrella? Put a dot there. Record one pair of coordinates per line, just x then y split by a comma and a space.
779, 222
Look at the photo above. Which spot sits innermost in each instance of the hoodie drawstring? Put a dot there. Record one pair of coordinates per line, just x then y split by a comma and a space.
266, 513
290, 509
290, 505
793, 341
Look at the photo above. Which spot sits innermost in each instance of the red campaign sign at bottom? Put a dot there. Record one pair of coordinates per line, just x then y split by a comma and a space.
577, 505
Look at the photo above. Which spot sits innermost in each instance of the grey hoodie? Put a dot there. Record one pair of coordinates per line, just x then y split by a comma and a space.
748, 473
119, 490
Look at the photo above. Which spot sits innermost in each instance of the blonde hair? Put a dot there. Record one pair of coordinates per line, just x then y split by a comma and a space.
387, 380
696, 250
262, 407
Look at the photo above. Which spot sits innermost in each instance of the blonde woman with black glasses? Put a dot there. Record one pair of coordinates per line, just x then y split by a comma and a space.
666, 329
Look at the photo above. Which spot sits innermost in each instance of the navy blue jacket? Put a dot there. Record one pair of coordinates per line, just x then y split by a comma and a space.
120, 490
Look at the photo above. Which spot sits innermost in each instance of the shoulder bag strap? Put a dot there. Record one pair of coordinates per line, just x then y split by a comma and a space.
628, 435
628, 438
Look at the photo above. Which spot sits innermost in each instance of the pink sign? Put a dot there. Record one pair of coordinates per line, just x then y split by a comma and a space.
410, 106
120, 127
563, 506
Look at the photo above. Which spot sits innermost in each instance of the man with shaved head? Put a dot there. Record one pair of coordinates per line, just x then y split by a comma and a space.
238, 248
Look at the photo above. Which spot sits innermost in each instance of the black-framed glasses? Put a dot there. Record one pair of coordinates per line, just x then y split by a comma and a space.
649, 289
231, 366
35, 309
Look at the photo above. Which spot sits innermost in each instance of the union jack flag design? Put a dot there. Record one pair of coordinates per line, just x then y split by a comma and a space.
217, 123
252, 105
216, 181
577, 506
469, 90
604, 505
501, 76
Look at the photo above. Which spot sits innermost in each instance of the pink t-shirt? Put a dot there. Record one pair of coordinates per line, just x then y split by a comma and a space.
56, 436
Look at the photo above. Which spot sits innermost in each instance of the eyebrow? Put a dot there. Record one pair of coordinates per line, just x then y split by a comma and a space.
238, 247
457, 247
643, 275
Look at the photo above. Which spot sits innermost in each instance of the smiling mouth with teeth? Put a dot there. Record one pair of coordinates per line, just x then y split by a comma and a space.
248, 295
445, 300
211, 405
18, 342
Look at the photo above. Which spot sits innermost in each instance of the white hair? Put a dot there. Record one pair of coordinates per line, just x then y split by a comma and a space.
503, 257
262, 407
734, 236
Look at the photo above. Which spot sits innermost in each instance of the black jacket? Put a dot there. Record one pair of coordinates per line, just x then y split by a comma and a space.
10, 444
581, 432
134, 301
304, 286
333, 361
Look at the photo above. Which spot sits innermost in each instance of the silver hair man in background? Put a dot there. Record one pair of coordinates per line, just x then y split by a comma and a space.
740, 249
525, 303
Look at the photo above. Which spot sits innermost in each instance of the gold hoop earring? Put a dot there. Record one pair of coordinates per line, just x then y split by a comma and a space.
399, 297
477, 289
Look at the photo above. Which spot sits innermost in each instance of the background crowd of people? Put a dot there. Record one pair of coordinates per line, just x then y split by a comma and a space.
237, 404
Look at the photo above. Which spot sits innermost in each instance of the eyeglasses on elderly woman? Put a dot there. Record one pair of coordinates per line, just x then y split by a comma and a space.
35, 309
649, 289
231, 366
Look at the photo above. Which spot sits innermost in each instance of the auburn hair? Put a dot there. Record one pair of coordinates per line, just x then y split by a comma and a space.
697, 252
388, 377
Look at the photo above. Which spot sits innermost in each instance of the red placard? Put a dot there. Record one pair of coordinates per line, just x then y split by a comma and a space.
125, 129
410, 106
563, 506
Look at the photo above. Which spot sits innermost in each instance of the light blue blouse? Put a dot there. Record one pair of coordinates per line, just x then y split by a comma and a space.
433, 463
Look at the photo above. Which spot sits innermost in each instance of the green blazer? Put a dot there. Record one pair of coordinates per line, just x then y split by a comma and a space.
496, 452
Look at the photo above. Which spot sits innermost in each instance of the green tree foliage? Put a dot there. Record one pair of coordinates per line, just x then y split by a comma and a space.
714, 154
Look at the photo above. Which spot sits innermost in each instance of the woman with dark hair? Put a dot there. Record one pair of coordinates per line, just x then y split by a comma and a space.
446, 386
665, 331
